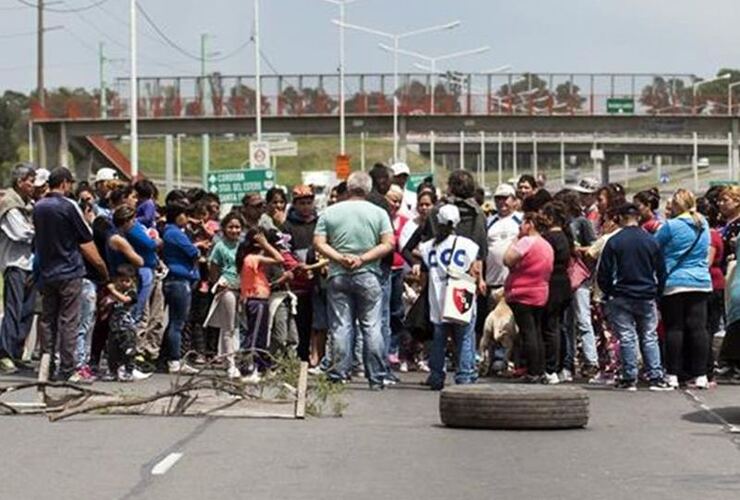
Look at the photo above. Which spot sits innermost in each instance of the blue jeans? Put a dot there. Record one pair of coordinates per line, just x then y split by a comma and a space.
634, 320
146, 285
465, 346
578, 321
396, 310
177, 296
386, 286
88, 300
356, 298
19, 298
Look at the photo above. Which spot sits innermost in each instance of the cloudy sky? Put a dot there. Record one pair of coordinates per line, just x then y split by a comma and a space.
665, 36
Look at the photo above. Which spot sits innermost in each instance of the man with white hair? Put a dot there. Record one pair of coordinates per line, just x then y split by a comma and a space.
355, 235
16, 258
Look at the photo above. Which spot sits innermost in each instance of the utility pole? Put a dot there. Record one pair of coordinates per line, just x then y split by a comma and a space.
205, 139
40, 91
134, 100
40, 54
103, 91
258, 69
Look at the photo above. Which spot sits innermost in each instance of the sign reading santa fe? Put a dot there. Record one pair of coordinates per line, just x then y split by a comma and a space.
232, 185
259, 154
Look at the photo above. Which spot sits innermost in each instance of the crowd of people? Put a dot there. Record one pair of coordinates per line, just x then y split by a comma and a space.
384, 280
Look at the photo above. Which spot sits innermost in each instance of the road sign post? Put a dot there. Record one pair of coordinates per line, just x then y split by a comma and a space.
232, 185
259, 155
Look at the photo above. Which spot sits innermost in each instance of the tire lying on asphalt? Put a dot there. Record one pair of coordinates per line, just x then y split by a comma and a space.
514, 406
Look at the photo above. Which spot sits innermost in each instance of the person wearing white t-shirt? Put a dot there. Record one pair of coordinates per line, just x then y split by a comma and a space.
502, 229
445, 254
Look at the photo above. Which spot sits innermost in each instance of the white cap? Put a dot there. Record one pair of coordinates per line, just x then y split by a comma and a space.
400, 169
106, 174
504, 190
449, 215
42, 177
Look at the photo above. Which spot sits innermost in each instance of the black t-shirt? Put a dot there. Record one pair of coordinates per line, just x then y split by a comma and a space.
559, 281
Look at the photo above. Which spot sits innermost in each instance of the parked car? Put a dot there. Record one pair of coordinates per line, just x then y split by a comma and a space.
644, 167
703, 163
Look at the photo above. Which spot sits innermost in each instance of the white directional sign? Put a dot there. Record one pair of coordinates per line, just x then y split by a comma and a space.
284, 148
259, 155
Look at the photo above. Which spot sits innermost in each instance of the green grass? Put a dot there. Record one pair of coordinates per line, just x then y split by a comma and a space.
314, 153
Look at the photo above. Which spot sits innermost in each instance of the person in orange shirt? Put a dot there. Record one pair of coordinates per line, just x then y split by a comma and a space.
253, 257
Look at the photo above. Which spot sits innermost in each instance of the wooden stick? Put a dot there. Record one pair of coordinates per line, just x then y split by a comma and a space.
300, 405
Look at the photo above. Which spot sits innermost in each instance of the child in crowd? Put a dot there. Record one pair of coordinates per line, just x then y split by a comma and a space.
122, 337
283, 336
253, 257
225, 279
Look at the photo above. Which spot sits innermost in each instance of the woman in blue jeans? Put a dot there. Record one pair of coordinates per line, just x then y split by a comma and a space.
181, 256
447, 253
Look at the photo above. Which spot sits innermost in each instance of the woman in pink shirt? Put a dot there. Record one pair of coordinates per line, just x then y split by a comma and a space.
530, 261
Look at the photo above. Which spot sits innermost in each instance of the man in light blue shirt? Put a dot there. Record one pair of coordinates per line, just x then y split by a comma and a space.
355, 235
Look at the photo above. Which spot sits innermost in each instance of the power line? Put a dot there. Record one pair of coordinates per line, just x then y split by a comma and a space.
164, 37
64, 11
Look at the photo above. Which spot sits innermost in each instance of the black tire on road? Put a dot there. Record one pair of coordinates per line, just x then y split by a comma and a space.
514, 406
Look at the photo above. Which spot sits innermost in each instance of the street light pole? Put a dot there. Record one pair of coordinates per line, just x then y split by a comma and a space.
342, 106
434, 60
695, 86
134, 104
396, 39
258, 69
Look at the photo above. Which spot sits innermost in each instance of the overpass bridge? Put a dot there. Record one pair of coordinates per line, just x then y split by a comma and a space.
638, 112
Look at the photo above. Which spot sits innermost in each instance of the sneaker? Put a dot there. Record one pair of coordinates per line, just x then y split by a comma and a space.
181, 368
7, 367
253, 378
603, 378
107, 376
672, 380
403, 367
88, 372
662, 385
626, 385
138, 375
565, 375
589, 371
316, 370
699, 383
550, 379
124, 375
392, 378
422, 366
532, 379
81, 377
200, 360
233, 372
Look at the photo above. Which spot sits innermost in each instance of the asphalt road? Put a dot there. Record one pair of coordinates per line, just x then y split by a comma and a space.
388, 445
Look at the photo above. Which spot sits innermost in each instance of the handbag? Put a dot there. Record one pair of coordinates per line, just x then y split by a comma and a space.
578, 272
459, 298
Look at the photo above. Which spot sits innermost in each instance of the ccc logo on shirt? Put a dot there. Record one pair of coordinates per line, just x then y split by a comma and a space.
446, 258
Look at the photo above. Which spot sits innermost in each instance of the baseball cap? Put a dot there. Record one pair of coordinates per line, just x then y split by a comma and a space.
504, 190
302, 191
42, 177
400, 168
105, 174
449, 215
587, 185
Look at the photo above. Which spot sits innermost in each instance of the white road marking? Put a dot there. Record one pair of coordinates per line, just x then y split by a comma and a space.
166, 464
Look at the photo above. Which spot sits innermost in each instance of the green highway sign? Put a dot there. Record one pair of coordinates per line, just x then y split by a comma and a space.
620, 105
232, 185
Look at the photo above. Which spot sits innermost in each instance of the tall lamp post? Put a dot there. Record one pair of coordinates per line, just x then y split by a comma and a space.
342, 111
396, 39
433, 62
134, 104
695, 87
